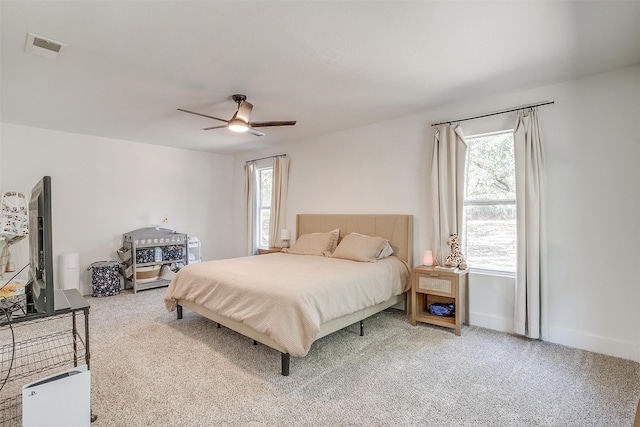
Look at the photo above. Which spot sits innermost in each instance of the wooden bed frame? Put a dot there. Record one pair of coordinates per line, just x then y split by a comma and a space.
398, 229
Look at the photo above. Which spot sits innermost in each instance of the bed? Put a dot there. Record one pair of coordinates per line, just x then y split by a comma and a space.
287, 301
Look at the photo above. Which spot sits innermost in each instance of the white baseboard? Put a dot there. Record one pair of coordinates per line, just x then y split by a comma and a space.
491, 322
598, 344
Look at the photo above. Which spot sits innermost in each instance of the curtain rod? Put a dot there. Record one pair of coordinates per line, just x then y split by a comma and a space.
494, 114
268, 157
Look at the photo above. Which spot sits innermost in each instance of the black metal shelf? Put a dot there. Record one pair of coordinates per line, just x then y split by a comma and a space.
40, 354
37, 345
11, 411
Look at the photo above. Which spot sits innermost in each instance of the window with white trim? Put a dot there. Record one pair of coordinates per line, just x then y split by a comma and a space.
265, 186
489, 226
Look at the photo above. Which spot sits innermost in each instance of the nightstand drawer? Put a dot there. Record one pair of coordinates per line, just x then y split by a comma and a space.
434, 283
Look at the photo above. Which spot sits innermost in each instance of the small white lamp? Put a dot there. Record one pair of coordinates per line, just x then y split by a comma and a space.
285, 236
427, 258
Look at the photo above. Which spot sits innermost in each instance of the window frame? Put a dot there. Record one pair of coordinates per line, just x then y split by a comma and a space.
260, 207
485, 202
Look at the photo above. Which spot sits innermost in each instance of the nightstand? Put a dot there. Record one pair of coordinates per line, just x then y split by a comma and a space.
263, 251
429, 285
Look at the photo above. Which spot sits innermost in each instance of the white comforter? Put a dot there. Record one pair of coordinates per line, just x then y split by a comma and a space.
287, 296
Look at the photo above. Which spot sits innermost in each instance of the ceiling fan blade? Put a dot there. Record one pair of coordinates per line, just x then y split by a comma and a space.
244, 111
215, 127
266, 124
255, 132
203, 115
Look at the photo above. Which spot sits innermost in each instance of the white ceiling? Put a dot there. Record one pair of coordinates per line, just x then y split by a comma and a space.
329, 65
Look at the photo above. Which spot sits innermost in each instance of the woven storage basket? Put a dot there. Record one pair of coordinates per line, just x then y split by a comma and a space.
150, 272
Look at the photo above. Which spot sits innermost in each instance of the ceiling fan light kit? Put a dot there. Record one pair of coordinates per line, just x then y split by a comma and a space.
240, 120
237, 125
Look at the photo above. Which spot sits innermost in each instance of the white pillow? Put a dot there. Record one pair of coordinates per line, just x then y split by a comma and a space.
386, 251
335, 236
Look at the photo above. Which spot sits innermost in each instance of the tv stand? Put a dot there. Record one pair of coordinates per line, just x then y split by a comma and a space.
38, 345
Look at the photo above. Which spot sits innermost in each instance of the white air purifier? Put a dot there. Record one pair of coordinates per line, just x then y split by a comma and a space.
62, 399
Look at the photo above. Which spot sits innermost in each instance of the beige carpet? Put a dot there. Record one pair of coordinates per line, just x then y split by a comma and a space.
150, 369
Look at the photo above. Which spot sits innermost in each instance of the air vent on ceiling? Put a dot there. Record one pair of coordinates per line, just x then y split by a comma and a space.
42, 46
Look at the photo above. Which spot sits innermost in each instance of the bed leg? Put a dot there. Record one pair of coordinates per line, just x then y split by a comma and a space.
361, 328
218, 325
286, 359
255, 342
179, 310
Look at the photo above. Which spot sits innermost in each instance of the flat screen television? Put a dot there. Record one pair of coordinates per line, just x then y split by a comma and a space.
40, 288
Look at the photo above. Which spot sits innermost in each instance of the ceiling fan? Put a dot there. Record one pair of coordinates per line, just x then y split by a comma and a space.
240, 120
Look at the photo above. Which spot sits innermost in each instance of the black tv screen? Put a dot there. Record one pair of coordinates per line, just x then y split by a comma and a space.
41, 248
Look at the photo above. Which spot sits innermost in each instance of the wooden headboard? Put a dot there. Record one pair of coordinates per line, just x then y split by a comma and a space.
398, 229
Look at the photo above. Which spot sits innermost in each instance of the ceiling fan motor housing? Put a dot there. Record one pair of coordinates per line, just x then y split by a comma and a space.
238, 98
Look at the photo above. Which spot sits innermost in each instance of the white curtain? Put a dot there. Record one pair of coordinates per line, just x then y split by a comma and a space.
280, 183
529, 318
250, 206
446, 188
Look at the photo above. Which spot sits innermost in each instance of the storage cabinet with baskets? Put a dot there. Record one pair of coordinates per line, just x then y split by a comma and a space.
146, 251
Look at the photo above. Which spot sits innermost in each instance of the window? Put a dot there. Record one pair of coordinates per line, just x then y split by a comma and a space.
265, 178
489, 241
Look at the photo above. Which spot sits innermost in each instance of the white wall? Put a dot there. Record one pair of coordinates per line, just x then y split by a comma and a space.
591, 139
103, 188
1, 187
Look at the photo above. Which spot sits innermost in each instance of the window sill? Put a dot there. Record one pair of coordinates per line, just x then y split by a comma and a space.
492, 272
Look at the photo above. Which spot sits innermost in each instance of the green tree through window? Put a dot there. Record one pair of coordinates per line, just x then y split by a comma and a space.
489, 241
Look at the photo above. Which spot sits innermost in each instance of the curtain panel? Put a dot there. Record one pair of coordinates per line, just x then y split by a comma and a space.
280, 182
250, 180
446, 188
529, 315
